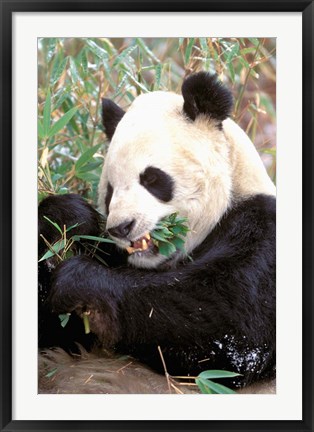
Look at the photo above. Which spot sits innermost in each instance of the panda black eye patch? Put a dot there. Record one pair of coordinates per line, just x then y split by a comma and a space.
158, 183
108, 197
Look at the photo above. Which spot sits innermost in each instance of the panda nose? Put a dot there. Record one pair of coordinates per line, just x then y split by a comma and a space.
122, 230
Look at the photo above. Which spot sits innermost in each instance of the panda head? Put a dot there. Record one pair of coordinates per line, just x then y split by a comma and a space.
168, 153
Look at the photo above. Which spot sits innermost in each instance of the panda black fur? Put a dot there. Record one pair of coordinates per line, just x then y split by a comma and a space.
212, 307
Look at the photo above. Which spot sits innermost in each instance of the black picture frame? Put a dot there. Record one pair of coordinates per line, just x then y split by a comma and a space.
7, 8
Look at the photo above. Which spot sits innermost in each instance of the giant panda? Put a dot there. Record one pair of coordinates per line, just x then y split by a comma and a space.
210, 306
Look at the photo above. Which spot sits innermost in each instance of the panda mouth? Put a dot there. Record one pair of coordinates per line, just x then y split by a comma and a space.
142, 245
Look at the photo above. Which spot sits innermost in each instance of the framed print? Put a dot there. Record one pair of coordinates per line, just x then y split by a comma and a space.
197, 281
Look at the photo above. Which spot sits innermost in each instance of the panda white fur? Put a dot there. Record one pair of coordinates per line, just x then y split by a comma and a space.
209, 307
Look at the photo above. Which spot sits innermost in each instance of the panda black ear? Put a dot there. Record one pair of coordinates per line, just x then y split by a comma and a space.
111, 115
205, 94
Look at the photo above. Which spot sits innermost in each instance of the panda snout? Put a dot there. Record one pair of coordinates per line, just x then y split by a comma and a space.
122, 230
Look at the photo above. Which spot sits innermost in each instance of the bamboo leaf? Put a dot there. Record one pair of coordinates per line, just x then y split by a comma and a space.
51, 49
216, 388
74, 72
203, 386
188, 50
56, 248
54, 224
40, 129
86, 156
97, 50
210, 374
47, 114
125, 53
62, 122
158, 70
51, 373
94, 238
84, 61
57, 72
147, 50
64, 318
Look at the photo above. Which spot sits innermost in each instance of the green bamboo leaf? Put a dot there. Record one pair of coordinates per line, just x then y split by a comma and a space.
166, 249
40, 129
232, 53
74, 72
178, 243
84, 61
244, 62
204, 46
203, 386
60, 96
94, 238
88, 177
210, 374
158, 70
97, 50
47, 114
231, 71
178, 230
136, 82
217, 388
54, 224
157, 236
62, 122
51, 373
254, 41
86, 156
247, 50
124, 54
57, 72
56, 248
51, 49
64, 318
145, 48
188, 50
91, 166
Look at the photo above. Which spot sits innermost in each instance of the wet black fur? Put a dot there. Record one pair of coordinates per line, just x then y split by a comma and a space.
205, 94
108, 197
111, 115
65, 209
205, 309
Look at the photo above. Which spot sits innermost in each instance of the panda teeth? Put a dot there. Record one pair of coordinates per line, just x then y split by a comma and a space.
144, 244
139, 245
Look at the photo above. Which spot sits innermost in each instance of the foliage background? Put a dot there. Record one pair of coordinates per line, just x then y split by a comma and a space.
75, 73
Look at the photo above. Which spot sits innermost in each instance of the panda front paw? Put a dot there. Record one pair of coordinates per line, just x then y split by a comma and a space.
66, 211
78, 287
